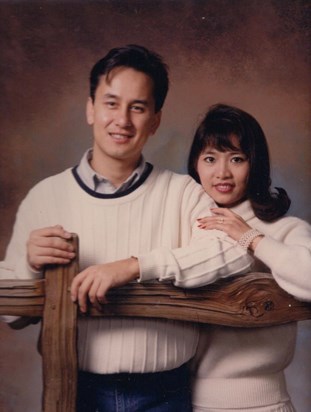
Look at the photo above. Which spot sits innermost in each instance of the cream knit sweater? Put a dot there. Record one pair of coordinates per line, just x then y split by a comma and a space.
243, 369
156, 221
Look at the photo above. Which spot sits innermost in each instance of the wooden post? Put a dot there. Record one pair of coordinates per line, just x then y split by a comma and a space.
59, 334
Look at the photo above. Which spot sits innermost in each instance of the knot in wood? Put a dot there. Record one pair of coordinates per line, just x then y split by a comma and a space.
254, 309
268, 305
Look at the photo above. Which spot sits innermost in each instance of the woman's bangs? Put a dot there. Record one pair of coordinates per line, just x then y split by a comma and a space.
222, 142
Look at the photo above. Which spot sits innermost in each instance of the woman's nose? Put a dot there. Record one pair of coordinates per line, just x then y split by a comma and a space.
223, 170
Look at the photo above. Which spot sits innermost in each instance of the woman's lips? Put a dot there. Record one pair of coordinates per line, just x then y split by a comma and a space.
224, 187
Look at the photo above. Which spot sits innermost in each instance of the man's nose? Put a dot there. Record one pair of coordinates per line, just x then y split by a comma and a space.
123, 118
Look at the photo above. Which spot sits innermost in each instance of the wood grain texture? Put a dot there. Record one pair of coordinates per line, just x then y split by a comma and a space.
22, 297
59, 335
252, 300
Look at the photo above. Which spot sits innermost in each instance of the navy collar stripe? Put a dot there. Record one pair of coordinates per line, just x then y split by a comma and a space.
91, 192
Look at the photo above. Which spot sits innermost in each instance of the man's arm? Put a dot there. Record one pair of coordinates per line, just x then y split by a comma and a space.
205, 257
94, 282
201, 263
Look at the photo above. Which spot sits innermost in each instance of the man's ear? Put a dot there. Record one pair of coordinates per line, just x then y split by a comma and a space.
156, 122
90, 111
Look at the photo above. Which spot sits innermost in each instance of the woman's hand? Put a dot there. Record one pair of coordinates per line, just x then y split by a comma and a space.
225, 220
230, 223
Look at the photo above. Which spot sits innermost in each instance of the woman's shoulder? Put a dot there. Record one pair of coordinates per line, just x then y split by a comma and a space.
290, 220
287, 228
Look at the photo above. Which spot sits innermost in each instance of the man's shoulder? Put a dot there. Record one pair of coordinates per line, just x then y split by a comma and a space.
57, 176
181, 186
56, 180
171, 175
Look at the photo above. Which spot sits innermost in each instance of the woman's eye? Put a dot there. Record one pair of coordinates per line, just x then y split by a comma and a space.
238, 159
209, 159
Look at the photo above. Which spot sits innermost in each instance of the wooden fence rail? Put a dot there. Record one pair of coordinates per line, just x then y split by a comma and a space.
252, 300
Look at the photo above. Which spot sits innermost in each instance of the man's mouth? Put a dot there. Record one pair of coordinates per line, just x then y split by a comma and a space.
120, 137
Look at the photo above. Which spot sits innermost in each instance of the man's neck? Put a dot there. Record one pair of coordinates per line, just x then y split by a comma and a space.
114, 170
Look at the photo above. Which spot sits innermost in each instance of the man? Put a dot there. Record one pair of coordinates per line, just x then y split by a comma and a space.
134, 222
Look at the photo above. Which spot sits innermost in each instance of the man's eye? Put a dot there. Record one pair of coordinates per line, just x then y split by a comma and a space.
110, 104
138, 109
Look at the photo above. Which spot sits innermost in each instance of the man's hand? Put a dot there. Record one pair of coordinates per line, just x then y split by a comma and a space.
49, 246
94, 282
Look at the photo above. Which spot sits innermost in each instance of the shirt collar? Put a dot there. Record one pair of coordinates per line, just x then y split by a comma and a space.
101, 184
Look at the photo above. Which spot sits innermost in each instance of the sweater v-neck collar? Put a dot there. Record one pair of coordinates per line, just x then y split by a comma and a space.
91, 192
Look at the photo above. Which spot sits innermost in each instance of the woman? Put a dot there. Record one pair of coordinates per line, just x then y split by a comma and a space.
243, 369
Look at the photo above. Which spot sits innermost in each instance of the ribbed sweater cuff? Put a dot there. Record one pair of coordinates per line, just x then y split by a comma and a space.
240, 392
150, 269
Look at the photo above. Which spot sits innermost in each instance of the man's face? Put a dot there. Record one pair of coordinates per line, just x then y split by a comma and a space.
122, 117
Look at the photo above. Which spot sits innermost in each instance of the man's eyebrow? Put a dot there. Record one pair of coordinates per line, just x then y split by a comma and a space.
140, 101
110, 96
136, 101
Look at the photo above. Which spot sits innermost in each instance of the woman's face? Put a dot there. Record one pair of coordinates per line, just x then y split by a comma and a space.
224, 175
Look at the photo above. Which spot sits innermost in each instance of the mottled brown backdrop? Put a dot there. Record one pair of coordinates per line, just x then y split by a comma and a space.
251, 53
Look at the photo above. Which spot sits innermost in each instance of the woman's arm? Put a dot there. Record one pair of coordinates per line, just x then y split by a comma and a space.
284, 246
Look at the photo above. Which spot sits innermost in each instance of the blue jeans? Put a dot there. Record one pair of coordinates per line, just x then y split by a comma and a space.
167, 391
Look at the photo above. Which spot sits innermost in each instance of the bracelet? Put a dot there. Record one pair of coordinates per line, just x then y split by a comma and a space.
247, 238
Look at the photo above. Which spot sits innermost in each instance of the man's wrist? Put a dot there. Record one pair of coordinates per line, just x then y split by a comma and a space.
134, 267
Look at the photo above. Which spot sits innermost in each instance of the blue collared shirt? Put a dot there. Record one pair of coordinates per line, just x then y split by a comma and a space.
101, 184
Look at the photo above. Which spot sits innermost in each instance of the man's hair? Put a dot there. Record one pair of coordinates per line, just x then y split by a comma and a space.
138, 58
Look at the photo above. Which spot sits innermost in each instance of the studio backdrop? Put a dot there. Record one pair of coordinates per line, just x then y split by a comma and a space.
254, 54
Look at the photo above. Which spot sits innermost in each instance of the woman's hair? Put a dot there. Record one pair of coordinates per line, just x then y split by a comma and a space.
216, 130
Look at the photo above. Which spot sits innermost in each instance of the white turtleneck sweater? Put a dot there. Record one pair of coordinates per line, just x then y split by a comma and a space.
243, 369
155, 220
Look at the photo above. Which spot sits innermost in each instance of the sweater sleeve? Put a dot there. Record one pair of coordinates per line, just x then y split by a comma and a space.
202, 262
204, 258
15, 265
289, 260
